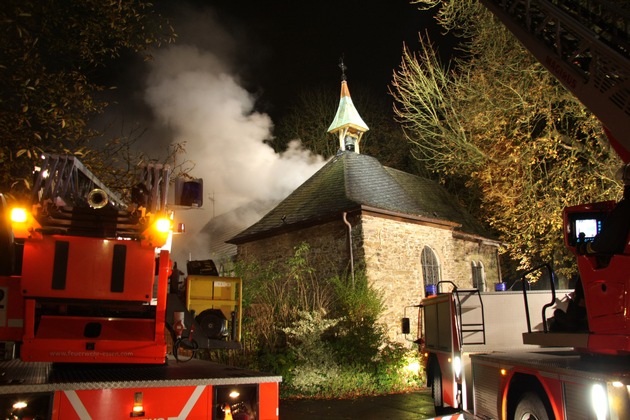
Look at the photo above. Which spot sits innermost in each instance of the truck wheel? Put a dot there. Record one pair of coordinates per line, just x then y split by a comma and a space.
531, 407
436, 388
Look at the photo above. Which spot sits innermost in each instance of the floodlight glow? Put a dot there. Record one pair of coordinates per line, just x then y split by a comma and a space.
599, 401
163, 225
413, 366
18, 215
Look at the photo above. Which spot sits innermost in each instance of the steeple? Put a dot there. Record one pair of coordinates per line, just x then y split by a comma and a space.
348, 124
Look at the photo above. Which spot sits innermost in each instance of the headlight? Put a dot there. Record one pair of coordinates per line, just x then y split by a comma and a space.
457, 366
599, 401
23, 224
20, 405
158, 233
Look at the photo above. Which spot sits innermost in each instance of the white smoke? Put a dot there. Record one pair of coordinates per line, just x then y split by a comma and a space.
194, 96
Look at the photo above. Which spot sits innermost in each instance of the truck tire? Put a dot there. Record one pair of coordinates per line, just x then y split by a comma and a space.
436, 388
531, 407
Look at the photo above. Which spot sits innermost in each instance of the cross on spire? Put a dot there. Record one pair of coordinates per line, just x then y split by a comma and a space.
343, 68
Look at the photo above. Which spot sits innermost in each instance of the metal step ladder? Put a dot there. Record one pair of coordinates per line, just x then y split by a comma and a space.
470, 317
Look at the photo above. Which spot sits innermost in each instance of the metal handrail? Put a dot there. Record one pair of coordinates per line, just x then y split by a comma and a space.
483, 315
526, 286
459, 318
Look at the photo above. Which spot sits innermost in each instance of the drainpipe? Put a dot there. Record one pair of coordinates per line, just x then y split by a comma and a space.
345, 220
499, 265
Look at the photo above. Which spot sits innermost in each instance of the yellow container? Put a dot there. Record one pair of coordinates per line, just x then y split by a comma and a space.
213, 292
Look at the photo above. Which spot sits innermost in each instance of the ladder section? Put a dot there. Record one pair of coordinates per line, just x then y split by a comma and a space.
69, 200
470, 317
585, 44
64, 181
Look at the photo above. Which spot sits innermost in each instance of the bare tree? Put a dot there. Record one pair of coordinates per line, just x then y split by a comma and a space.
496, 118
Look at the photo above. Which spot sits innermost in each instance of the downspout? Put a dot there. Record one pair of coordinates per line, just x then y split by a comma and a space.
345, 220
499, 265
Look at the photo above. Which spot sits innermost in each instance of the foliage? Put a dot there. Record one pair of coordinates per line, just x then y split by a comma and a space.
55, 55
321, 335
498, 122
320, 370
313, 358
274, 295
358, 336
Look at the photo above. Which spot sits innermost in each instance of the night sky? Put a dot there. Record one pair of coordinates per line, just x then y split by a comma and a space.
221, 89
284, 46
278, 48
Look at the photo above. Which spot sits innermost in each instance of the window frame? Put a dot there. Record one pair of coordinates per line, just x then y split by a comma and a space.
431, 268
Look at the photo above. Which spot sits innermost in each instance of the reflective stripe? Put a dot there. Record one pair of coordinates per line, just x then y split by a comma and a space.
81, 411
190, 404
77, 404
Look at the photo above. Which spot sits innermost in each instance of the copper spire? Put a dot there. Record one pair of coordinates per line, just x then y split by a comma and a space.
348, 124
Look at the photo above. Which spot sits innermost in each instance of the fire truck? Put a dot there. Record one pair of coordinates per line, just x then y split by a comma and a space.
459, 323
578, 373
90, 327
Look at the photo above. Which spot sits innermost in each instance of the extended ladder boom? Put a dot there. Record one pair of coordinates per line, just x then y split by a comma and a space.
586, 45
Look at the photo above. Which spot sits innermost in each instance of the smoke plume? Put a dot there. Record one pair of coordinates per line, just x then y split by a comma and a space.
195, 95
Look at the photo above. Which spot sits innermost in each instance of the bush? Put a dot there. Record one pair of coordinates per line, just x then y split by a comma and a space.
358, 337
326, 367
320, 335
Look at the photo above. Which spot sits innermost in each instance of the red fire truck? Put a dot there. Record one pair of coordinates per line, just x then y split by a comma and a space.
86, 313
581, 373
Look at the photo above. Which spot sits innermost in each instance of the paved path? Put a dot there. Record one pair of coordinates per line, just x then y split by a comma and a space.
410, 406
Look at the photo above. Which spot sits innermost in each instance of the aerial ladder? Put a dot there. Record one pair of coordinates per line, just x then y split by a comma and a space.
86, 313
92, 272
586, 45
567, 374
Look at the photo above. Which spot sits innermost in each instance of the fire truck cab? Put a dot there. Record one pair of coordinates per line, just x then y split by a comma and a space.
575, 373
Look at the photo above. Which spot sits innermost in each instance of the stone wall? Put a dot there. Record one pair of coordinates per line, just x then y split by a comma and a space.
330, 253
389, 250
393, 264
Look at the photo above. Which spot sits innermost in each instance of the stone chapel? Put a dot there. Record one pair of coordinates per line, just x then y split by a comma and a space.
404, 231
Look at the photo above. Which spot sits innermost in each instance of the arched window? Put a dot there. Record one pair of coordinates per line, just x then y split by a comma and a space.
430, 266
478, 276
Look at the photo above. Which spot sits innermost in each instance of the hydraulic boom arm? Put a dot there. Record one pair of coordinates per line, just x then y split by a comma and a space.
586, 45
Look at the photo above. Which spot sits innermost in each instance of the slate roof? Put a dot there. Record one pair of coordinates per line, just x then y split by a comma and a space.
227, 225
352, 181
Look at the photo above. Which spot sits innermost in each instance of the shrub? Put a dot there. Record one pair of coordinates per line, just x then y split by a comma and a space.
321, 335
